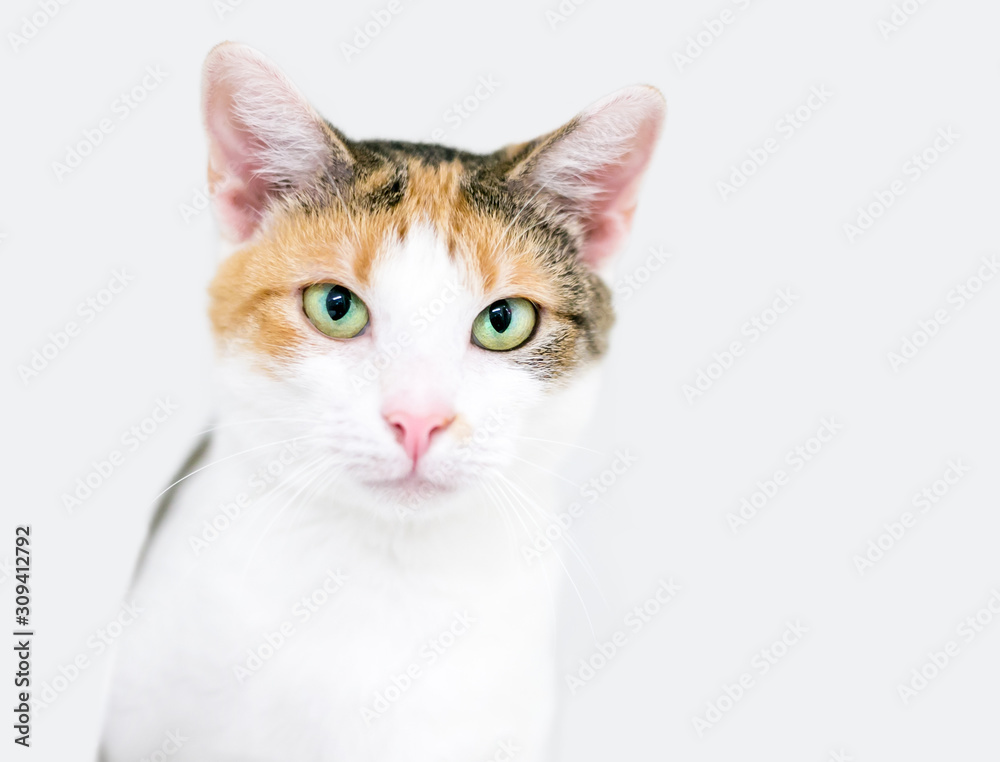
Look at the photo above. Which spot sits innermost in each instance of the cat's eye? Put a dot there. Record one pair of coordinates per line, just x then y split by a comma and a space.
335, 310
505, 324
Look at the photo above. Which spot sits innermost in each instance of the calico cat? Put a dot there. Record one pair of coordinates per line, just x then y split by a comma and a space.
405, 333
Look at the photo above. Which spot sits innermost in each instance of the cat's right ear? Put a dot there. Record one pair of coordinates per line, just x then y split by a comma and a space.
265, 140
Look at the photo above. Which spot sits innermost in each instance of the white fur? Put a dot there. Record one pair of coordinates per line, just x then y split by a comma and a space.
410, 571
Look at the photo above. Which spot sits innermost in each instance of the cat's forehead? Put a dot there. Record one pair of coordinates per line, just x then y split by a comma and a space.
429, 213
411, 272
424, 202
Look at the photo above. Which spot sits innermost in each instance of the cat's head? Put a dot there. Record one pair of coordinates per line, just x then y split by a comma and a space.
412, 312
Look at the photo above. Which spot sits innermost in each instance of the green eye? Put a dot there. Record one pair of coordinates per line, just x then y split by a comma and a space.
505, 324
333, 309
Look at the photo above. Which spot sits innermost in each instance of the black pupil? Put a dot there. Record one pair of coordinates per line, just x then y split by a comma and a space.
500, 316
338, 302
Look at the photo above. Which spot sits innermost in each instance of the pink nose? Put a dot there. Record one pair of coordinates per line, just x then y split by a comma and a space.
414, 430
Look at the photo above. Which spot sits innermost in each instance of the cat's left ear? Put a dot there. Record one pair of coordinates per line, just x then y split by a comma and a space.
591, 167
265, 139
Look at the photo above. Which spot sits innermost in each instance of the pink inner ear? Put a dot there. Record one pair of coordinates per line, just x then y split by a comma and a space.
596, 166
609, 214
609, 218
241, 194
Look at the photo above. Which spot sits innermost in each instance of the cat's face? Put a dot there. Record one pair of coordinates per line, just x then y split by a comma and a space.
413, 312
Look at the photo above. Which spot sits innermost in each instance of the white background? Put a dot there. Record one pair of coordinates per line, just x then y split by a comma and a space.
835, 692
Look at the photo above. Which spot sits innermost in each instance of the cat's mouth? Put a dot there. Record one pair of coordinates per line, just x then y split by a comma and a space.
415, 481
413, 488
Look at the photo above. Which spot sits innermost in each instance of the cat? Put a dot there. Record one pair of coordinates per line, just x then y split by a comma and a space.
405, 334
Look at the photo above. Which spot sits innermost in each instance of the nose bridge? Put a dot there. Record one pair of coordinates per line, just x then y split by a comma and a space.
421, 319
416, 378
433, 319
424, 356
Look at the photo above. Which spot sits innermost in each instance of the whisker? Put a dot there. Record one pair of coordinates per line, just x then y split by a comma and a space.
552, 473
502, 509
210, 429
323, 483
286, 484
542, 566
552, 441
319, 467
223, 460
515, 492
565, 534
